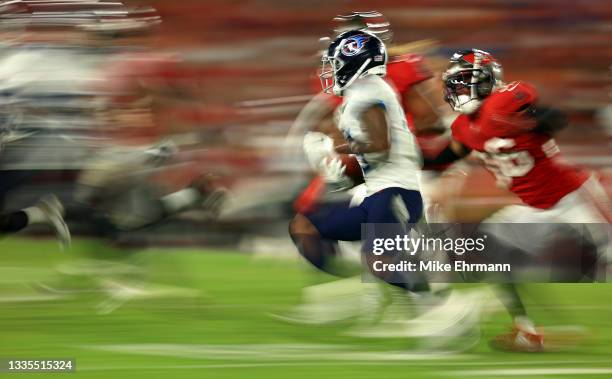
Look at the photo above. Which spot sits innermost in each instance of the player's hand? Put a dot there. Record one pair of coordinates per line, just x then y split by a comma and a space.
332, 169
333, 172
317, 147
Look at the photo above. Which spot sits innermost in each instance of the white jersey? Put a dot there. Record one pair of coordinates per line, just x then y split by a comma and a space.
46, 86
50, 103
398, 167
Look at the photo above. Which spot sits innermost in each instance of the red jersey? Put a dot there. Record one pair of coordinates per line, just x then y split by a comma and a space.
405, 71
524, 161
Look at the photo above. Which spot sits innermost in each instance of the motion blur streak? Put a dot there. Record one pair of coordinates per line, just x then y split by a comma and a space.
171, 133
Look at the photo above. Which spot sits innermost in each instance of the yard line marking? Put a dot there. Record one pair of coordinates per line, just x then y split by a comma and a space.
532, 371
204, 366
489, 373
319, 352
271, 352
29, 298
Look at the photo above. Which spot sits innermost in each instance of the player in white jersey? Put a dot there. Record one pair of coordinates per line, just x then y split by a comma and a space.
373, 124
380, 168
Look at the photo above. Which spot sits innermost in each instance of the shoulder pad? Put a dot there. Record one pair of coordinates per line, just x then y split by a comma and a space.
512, 97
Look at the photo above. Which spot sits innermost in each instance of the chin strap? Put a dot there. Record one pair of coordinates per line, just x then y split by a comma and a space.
468, 107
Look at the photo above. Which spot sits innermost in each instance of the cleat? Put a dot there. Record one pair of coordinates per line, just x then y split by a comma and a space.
54, 212
333, 302
448, 324
519, 340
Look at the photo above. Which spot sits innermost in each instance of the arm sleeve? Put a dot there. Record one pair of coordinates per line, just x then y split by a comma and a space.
548, 120
445, 157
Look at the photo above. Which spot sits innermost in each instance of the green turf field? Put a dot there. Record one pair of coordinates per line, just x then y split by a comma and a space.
221, 328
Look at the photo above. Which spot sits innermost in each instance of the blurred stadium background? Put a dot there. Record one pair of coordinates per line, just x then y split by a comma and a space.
228, 79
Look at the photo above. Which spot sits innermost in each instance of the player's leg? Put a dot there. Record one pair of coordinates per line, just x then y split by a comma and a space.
589, 211
202, 193
394, 205
433, 319
140, 204
13, 222
398, 209
309, 243
577, 226
347, 296
594, 205
314, 234
47, 210
508, 235
524, 335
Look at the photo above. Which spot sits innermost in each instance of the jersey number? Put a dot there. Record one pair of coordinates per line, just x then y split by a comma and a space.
506, 166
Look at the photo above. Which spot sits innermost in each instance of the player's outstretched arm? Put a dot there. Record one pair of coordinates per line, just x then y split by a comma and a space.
451, 153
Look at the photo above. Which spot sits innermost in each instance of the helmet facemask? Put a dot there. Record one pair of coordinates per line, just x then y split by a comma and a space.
467, 84
461, 91
329, 67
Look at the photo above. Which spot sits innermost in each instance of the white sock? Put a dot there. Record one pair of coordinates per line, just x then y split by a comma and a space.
180, 200
35, 215
524, 323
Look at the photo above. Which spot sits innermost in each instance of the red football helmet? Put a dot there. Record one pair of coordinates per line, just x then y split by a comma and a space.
471, 76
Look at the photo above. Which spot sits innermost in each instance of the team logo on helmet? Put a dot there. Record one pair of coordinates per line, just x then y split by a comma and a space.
354, 45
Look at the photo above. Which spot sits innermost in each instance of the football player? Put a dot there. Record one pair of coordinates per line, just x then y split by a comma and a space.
429, 118
409, 74
19, 122
115, 191
513, 134
373, 125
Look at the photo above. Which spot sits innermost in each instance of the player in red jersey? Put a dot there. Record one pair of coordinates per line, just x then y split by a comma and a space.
137, 86
512, 133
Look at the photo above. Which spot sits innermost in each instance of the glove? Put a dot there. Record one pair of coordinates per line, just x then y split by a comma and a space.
333, 172
317, 147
